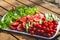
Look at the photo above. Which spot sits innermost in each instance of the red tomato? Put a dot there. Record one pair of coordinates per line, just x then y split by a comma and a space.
15, 24
44, 28
39, 31
47, 30
34, 29
42, 31
43, 19
32, 32
12, 28
51, 26
54, 26
43, 22
49, 22
46, 24
39, 25
30, 29
51, 30
34, 25
48, 35
55, 22
52, 33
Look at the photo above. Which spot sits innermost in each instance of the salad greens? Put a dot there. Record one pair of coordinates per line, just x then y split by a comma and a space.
12, 15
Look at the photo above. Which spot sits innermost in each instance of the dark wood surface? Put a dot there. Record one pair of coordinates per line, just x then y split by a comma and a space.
6, 5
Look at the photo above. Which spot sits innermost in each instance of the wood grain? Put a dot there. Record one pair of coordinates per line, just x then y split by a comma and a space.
6, 36
2, 11
7, 4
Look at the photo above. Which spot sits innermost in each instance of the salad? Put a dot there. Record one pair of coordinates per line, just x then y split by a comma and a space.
30, 20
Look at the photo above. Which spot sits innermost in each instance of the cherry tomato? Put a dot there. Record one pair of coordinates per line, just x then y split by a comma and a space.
52, 33
44, 28
43, 19
39, 31
51, 26
30, 29
46, 24
42, 31
49, 22
47, 30
55, 22
34, 29
34, 25
55, 26
32, 32
48, 35
43, 22
39, 25
51, 30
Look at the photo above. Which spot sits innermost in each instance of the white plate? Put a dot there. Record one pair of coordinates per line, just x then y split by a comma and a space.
34, 35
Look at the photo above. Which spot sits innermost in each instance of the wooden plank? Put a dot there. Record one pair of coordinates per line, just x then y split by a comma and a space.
48, 5
53, 8
13, 2
2, 11
23, 37
27, 3
6, 36
5, 5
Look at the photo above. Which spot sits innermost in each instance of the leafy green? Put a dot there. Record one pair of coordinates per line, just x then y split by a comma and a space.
3, 25
12, 15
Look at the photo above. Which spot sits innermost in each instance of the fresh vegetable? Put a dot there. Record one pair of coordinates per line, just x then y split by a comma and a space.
13, 15
36, 24
30, 20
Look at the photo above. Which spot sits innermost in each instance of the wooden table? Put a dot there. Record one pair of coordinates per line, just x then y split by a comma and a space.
6, 5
